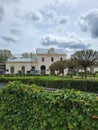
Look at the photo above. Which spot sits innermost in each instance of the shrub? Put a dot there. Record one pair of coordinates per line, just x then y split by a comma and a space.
56, 82
28, 107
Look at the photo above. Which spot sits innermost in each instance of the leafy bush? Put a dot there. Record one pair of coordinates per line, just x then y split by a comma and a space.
56, 82
28, 107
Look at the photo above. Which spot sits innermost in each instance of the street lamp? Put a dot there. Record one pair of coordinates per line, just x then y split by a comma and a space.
31, 61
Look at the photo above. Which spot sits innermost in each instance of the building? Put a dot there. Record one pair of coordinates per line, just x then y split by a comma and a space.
2, 68
20, 66
36, 65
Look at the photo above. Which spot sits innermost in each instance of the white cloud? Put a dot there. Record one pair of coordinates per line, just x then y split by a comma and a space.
64, 20
10, 39
70, 41
24, 21
51, 14
15, 31
1, 13
61, 2
35, 15
88, 22
46, 18
51, 17
9, 1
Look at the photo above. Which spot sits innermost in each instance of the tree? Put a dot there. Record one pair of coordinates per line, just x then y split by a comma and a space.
72, 65
4, 55
25, 55
86, 58
28, 55
58, 66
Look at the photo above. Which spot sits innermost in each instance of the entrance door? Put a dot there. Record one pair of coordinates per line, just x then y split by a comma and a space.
43, 70
23, 70
12, 70
33, 70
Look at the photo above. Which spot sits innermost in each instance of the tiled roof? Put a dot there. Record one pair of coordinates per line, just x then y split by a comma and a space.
46, 51
22, 60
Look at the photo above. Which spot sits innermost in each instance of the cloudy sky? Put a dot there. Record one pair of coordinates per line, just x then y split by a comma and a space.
29, 24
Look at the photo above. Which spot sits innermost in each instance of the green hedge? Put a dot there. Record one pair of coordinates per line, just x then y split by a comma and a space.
56, 82
27, 107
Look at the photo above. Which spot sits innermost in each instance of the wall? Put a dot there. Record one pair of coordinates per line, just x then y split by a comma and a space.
18, 65
47, 60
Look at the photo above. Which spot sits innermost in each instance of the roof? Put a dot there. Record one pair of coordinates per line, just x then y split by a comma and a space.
22, 60
49, 51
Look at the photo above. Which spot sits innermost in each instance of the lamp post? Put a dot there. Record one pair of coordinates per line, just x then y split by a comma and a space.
31, 61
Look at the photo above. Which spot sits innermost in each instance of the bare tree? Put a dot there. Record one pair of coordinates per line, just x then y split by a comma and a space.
86, 58
73, 66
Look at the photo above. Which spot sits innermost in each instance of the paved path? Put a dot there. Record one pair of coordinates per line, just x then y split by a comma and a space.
49, 89
53, 89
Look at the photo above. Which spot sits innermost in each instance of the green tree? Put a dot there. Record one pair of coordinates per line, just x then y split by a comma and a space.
5, 55
28, 55
59, 66
25, 55
86, 58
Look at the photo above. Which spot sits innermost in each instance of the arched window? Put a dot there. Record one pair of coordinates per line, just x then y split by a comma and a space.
43, 70
12, 70
33, 68
52, 59
23, 70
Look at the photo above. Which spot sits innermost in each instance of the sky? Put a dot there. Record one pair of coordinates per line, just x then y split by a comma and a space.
71, 25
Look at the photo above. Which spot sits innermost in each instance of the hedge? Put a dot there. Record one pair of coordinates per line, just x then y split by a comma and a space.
28, 107
57, 82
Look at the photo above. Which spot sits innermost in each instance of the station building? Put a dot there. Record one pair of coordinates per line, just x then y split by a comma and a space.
35, 65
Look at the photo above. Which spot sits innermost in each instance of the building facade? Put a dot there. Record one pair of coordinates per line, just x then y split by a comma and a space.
2, 68
36, 65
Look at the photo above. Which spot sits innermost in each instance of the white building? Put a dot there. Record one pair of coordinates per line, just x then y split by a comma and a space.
39, 64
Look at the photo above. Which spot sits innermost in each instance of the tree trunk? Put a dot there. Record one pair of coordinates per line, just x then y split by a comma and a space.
85, 71
71, 73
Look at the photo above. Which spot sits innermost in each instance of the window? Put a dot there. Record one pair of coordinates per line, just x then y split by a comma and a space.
33, 68
43, 59
52, 59
61, 58
23, 70
12, 70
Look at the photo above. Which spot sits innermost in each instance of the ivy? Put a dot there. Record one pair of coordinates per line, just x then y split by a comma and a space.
29, 107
